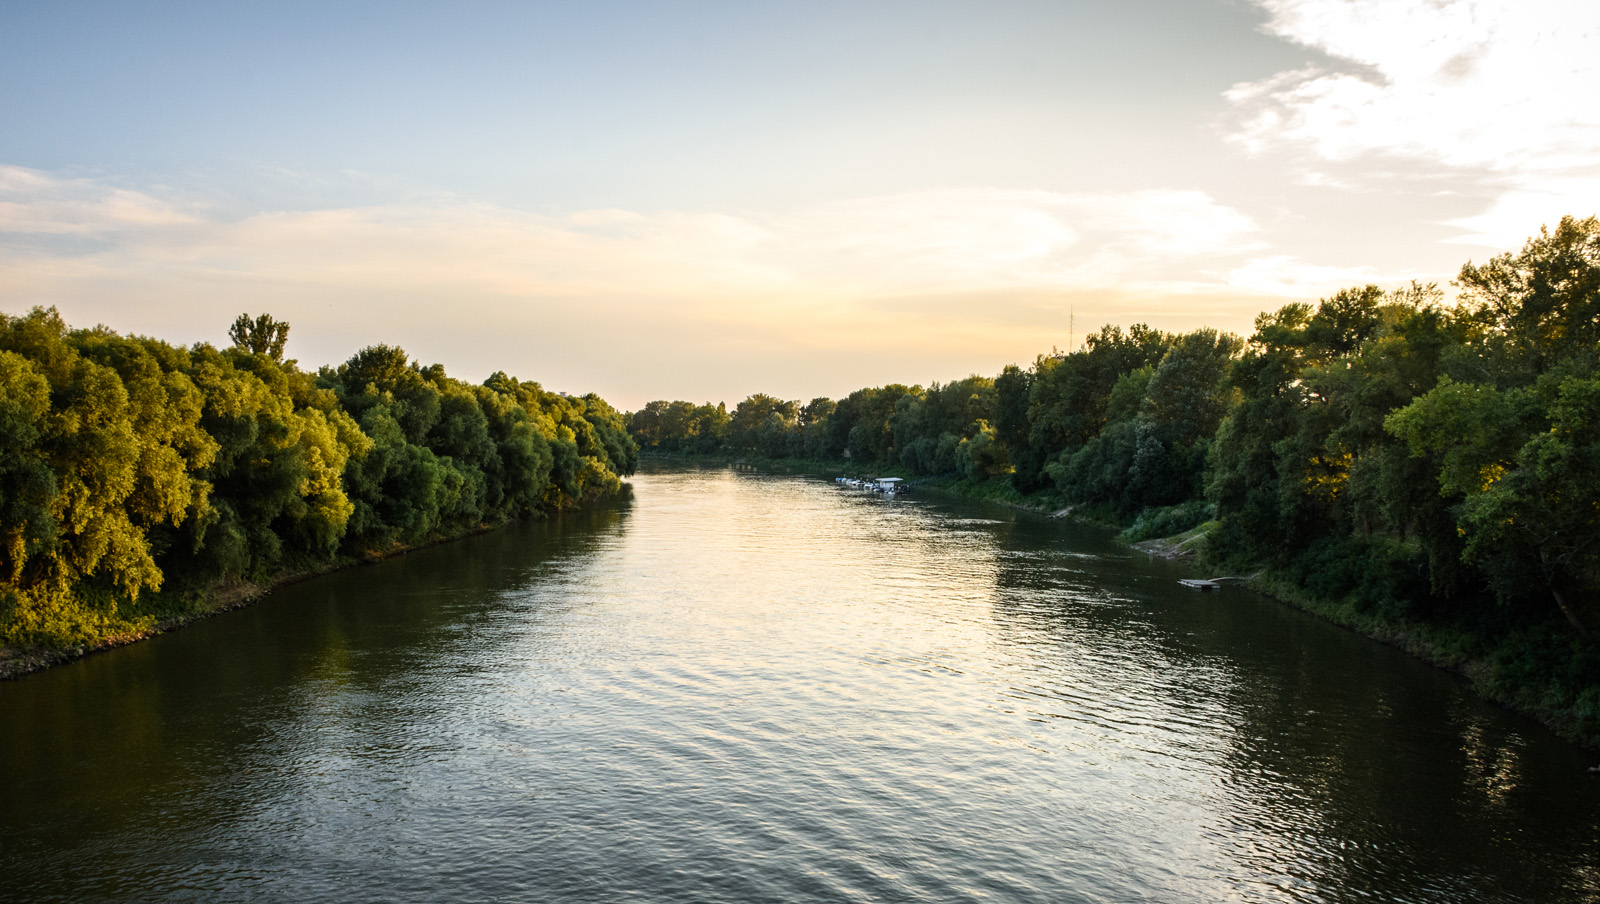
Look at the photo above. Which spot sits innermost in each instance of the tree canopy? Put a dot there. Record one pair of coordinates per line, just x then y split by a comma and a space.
132, 466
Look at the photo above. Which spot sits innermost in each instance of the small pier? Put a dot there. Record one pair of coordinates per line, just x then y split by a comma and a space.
1213, 583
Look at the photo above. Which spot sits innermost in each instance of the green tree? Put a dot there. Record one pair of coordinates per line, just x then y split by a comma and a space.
523, 459
1539, 308
1522, 467
262, 336
761, 423
27, 484
73, 570
1010, 419
1186, 396
1068, 394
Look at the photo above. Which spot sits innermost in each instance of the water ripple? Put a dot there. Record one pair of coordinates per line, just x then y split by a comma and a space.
749, 689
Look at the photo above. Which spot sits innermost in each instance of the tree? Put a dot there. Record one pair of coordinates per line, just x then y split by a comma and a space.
813, 427
982, 457
761, 423
1541, 305
1068, 394
262, 336
1010, 416
1525, 466
1186, 396
27, 485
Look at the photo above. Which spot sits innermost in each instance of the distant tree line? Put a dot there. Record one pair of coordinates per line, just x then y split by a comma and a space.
1413, 458
1124, 424
130, 466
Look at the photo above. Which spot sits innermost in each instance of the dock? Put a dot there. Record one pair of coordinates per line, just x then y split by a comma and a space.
1216, 583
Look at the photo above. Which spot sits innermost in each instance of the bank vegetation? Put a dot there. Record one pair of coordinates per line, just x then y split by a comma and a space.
142, 483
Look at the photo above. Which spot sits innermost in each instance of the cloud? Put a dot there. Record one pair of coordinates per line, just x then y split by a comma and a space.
1505, 223
1466, 83
1289, 277
1493, 89
971, 239
939, 241
36, 203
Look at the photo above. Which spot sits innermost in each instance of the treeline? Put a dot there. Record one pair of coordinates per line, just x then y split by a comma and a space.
130, 466
1411, 459
1124, 425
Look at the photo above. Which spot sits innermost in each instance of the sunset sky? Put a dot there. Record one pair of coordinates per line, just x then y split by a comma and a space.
706, 200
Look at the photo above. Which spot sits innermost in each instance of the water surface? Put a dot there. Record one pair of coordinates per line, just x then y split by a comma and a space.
750, 688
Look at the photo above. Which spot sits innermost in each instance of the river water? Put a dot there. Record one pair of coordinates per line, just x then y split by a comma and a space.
745, 688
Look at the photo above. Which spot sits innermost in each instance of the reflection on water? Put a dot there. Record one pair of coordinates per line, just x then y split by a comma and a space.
745, 688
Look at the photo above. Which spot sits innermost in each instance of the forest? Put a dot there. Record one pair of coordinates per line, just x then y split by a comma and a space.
139, 477
1426, 471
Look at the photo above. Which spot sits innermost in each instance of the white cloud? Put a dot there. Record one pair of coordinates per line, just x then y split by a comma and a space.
37, 203
1470, 83
974, 239
1513, 216
1289, 277
1499, 91
941, 241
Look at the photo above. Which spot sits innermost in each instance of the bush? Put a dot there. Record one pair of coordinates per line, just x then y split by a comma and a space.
1170, 520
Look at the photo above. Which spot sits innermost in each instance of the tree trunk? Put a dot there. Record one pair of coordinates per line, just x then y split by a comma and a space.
1567, 611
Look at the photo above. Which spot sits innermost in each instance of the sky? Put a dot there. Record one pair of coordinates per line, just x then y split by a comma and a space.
690, 200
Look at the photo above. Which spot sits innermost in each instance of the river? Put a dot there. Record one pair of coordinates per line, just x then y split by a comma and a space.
746, 688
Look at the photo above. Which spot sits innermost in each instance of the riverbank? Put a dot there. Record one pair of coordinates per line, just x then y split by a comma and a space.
187, 606
1530, 668
18, 661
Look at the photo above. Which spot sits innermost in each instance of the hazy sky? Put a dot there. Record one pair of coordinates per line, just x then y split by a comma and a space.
705, 200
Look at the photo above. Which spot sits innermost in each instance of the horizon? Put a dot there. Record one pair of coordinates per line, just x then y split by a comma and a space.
702, 203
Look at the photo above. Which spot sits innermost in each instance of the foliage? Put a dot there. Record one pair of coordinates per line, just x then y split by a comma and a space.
132, 466
1169, 521
264, 335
